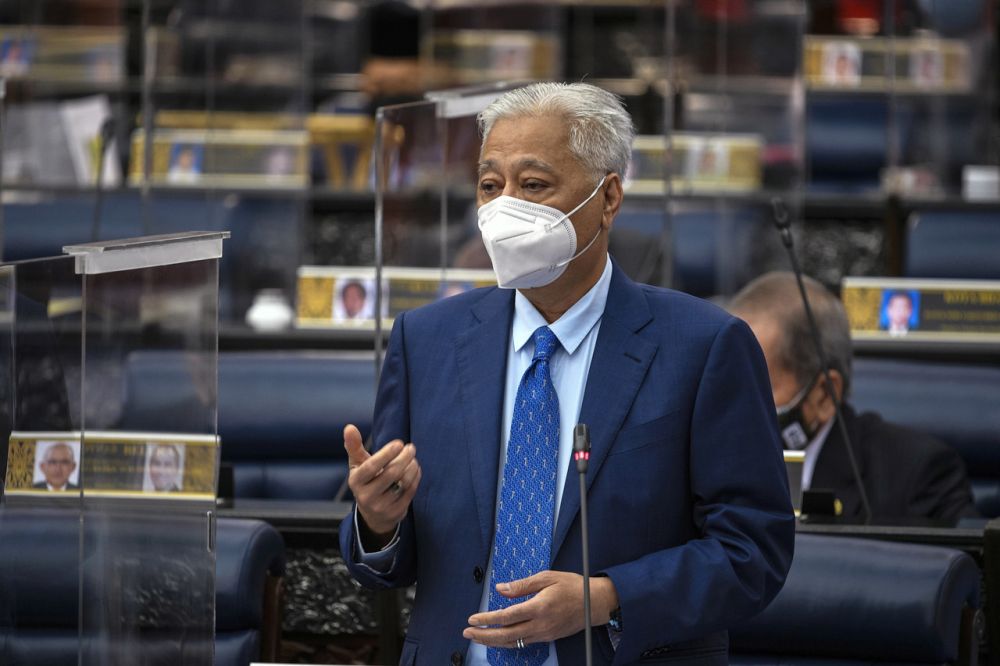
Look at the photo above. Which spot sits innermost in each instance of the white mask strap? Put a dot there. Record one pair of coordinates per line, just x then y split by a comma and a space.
599, 229
592, 241
580, 205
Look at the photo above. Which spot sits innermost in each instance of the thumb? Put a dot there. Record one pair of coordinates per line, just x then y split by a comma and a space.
524, 586
355, 447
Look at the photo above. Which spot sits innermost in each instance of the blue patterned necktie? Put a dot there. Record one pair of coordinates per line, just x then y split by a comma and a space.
526, 508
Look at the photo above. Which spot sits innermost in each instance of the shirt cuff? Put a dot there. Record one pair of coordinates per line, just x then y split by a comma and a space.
615, 636
380, 561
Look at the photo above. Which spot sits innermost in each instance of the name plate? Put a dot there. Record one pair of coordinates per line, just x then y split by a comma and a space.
112, 464
922, 310
343, 297
922, 64
698, 162
223, 158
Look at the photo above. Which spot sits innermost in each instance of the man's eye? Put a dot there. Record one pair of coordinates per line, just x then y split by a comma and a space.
487, 187
534, 186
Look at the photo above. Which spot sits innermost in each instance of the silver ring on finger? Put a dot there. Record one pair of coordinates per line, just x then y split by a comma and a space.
396, 488
519, 644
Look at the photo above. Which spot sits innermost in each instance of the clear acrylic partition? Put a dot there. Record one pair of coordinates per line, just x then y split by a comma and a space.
41, 324
426, 158
733, 139
224, 135
65, 67
940, 73
491, 41
106, 529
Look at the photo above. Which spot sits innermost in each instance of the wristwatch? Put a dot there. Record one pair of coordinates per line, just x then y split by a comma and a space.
615, 620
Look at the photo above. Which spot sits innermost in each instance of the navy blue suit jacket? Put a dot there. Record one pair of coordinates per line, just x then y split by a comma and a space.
688, 496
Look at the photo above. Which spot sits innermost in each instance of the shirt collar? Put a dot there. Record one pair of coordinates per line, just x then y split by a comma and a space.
575, 324
813, 448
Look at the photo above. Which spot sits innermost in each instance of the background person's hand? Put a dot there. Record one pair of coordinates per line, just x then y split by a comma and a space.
554, 612
383, 485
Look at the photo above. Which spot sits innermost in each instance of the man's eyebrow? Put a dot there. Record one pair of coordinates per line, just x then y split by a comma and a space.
486, 165
520, 165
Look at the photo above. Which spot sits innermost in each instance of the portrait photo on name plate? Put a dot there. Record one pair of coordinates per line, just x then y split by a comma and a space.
899, 312
57, 466
15, 56
354, 299
186, 163
927, 66
164, 471
842, 63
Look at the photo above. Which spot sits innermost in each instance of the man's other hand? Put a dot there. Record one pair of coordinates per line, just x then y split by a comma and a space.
555, 611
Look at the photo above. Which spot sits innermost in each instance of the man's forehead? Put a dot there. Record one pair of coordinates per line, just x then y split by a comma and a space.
520, 163
58, 449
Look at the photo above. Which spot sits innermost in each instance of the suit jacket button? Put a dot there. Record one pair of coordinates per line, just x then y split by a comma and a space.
457, 658
477, 574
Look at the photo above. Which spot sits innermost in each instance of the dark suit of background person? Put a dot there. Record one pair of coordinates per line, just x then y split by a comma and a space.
907, 474
690, 516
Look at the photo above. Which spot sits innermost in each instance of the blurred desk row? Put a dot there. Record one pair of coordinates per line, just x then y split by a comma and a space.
324, 600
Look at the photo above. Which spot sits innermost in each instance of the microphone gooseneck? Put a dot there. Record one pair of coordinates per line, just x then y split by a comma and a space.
581, 453
783, 224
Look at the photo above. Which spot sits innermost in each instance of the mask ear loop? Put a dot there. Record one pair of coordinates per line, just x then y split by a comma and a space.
599, 229
548, 227
796, 400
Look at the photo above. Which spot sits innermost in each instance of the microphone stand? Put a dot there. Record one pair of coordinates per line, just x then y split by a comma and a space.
783, 225
581, 453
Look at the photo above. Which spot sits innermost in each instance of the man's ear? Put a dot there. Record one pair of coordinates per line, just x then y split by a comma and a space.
819, 400
613, 194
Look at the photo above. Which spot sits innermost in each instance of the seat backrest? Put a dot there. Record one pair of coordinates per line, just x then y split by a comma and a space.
958, 403
707, 246
281, 415
864, 601
40, 581
249, 557
953, 244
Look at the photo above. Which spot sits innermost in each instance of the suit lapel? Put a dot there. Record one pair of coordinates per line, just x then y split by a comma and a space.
620, 362
481, 353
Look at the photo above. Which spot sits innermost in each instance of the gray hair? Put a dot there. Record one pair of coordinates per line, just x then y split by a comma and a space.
600, 129
776, 296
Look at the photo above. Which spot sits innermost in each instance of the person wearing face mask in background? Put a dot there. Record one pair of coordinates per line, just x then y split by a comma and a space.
907, 474
470, 493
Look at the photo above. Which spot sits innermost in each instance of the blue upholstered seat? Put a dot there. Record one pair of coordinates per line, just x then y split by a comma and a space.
281, 414
958, 403
41, 596
858, 601
953, 244
846, 142
708, 245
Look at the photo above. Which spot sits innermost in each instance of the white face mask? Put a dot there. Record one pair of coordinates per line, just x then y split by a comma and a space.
530, 244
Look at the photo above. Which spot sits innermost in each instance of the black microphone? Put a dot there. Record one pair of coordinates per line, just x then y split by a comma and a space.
104, 137
783, 224
581, 454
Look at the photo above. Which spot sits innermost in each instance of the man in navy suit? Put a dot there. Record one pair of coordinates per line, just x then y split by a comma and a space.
691, 527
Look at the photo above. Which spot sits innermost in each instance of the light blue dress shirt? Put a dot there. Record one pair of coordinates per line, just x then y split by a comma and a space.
577, 332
